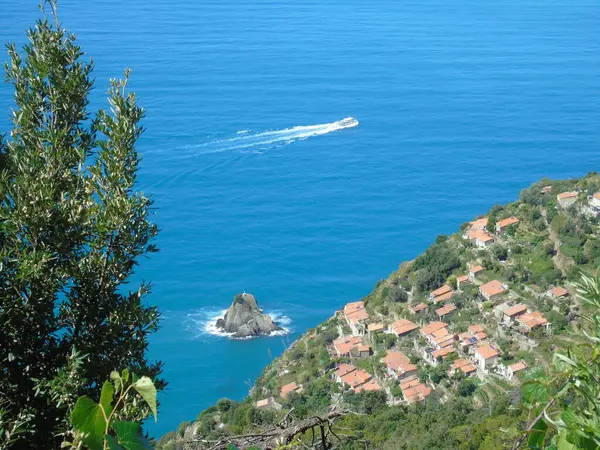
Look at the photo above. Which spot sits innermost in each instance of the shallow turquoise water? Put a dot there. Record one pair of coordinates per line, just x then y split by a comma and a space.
461, 104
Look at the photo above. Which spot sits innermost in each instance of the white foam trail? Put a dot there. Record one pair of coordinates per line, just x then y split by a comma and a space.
268, 139
204, 322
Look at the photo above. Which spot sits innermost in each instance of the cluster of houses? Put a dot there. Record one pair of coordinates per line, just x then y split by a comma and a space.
471, 352
358, 380
479, 235
566, 200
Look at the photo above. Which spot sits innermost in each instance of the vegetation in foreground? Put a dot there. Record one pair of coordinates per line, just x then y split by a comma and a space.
72, 230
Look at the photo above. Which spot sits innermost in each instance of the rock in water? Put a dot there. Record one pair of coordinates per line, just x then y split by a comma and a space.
245, 319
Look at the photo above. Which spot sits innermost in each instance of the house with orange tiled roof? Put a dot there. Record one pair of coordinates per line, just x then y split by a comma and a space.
402, 327
473, 336
289, 388
351, 346
371, 385
492, 289
398, 365
510, 314
559, 292
462, 280
356, 378
474, 271
480, 238
463, 366
414, 391
567, 199
268, 403
432, 327
501, 225
478, 224
444, 297
594, 201
511, 370
421, 307
341, 370
445, 289
532, 320
374, 328
356, 315
486, 356
445, 310
434, 356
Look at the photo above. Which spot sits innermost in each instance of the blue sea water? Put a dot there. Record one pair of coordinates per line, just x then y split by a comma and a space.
461, 104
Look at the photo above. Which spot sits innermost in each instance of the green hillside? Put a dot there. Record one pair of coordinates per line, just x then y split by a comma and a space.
437, 353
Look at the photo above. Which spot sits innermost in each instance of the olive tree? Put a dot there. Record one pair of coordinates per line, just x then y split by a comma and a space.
73, 228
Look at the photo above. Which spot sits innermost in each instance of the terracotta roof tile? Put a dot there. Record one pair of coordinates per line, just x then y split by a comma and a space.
403, 326
487, 351
492, 288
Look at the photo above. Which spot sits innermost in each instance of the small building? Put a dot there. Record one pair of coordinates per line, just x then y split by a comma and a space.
342, 370
480, 238
492, 289
559, 292
595, 200
445, 289
510, 314
501, 225
486, 356
567, 199
398, 365
509, 371
268, 403
546, 189
289, 388
356, 378
531, 321
414, 391
433, 357
374, 328
421, 307
474, 336
445, 310
402, 327
351, 346
356, 315
463, 366
474, 271
479, 224
432, 327
463, 279
444, 297
371, 385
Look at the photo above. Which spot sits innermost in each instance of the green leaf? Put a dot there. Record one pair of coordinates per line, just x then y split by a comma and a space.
562, 443
125, 376
87, 417
535, 392
114, 375
146, 389
537, 435
565, 359
106, 397
112, 443
129, 436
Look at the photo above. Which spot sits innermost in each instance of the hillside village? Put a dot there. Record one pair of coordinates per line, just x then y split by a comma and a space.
469, 317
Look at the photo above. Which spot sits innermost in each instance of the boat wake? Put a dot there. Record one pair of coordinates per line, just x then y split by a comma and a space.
264, 140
